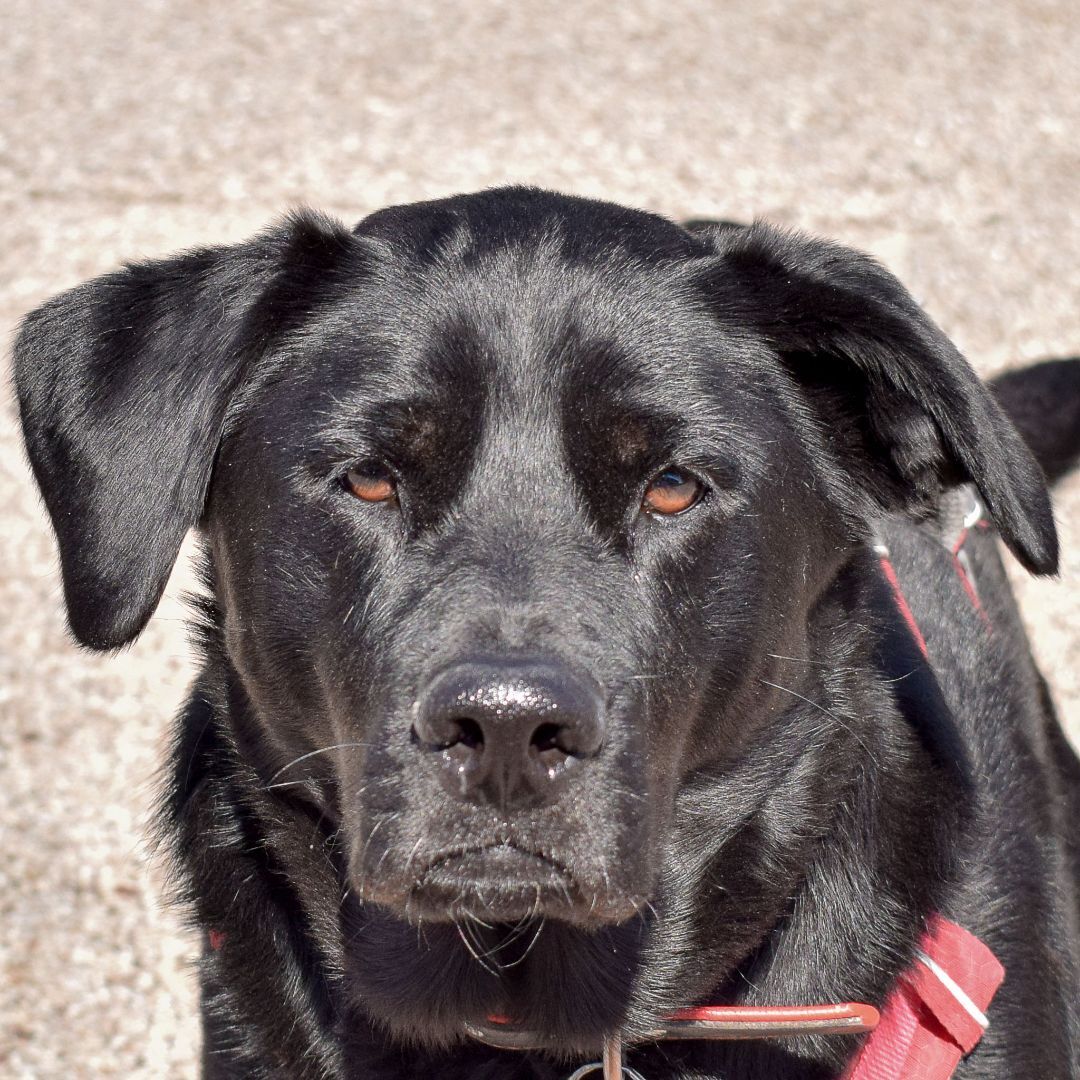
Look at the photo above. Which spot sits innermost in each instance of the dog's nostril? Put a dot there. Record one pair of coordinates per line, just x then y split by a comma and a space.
449, 732
546, 737
469, 733
552, 746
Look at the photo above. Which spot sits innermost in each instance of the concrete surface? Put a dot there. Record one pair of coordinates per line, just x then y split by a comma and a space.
942, 137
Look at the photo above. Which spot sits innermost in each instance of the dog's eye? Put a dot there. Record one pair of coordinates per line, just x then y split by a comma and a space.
672, 492
371, 482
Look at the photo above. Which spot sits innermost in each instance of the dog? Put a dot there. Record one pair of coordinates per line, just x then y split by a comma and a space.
603, 619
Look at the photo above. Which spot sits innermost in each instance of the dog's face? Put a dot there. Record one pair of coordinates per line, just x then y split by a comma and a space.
511, 500
502, 525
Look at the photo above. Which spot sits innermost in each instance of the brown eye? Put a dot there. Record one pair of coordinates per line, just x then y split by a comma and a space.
371, 482
672, 492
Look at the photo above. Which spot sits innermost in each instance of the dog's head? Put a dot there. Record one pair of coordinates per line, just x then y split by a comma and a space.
508, 500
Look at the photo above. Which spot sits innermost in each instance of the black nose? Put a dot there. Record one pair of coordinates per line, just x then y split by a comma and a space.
509, 733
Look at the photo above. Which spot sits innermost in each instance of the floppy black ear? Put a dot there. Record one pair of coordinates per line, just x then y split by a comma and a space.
123, 386
896, 401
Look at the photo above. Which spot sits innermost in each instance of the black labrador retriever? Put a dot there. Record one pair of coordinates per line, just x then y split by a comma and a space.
603, 620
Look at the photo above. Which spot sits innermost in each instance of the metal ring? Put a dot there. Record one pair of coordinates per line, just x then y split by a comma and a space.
596, 1066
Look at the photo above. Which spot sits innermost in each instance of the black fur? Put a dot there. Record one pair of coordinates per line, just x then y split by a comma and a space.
786, 791
1044, 404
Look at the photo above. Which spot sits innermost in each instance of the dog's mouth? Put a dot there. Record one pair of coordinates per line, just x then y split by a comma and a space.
498, 881
503, 883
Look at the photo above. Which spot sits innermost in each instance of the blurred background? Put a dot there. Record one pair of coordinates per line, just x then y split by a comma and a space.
944, 138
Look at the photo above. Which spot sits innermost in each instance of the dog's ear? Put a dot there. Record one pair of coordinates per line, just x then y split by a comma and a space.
898, 405
123, 386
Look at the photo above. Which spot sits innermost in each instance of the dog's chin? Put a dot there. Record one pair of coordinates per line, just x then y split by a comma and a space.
427, 979
502, 883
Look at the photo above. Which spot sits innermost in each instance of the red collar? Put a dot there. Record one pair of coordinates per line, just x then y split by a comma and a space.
934, 1015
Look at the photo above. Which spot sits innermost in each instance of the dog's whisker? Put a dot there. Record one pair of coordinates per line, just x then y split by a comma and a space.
516, 932
374, 829
477, 956
528, 948
625, 792
829, 713
493, 951
375, 782
379, 864
797, 659
315, 753
413, 853
239, 889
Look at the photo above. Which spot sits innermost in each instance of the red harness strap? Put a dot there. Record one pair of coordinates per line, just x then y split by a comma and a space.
936, 1013
954, 541
889, 571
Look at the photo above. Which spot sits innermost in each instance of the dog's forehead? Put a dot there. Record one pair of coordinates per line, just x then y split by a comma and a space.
535, 316
535, 280
525, 318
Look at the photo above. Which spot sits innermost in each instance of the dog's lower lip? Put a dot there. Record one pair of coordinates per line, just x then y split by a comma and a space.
505, 883
499, 881
503, 852
503, 867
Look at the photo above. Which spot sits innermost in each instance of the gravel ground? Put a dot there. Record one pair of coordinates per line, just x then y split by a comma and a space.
943, 138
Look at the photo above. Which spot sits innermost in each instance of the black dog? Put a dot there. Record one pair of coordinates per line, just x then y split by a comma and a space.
549, 668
